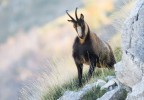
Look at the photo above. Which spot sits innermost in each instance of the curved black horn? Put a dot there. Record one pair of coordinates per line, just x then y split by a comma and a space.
70, 16
76, 14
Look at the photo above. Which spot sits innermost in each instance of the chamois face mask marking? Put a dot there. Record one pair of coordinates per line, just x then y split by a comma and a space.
79, 31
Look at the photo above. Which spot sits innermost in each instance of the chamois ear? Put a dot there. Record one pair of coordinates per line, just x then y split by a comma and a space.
82, 17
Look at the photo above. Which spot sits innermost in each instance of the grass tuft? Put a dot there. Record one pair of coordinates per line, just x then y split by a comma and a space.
94, 94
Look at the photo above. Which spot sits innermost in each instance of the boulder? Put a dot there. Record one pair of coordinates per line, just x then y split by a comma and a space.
110, 85
109, 78
115, 94
115, 90
137, 92
131, 68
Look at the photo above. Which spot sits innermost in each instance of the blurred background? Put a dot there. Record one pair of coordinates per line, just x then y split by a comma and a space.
36, 41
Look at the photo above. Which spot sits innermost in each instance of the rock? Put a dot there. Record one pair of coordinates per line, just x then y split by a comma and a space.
116, 94
131, 69
109, 78
72, 95
138, 92
113, 83
100, 82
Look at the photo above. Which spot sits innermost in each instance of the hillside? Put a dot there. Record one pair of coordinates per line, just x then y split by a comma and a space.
36, 42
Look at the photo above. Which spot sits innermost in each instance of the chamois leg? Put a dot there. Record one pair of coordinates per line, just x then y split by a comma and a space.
92, 67
80, 70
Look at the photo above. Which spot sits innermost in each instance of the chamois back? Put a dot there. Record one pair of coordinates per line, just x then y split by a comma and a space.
103, 50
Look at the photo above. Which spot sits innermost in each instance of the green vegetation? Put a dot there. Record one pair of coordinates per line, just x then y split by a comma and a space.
118, 54
72, 85
94, 94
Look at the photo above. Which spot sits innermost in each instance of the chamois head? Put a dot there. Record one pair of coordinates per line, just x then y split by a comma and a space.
79, 25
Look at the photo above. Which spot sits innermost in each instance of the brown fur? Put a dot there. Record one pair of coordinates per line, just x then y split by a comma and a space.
103, 50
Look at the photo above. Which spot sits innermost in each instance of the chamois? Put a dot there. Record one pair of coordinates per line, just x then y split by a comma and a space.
89, 49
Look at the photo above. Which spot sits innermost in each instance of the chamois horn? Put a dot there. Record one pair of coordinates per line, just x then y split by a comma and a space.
76, 14
70, 16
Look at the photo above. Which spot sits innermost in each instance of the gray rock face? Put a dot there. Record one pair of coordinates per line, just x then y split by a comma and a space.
130, 70
137, 92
